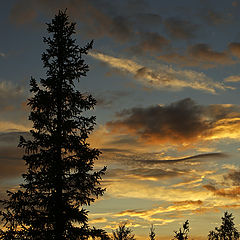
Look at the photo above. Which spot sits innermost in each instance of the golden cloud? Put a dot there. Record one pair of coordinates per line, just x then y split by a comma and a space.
98, 220
164, 77
123, 189
234, 78
7, 126
146, 214
232, 192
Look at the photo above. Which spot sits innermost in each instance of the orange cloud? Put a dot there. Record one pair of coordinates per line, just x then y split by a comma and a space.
136, 189
234, 78
234, 48
151, 215
233, 192
197, 202
98, 220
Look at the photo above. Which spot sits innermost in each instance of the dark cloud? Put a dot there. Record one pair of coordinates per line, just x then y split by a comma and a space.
145, 72
182, 122
124, 139
234, 48
136, 5
97, 18
148, 19
201, 55
145, 174
121, 29
204, 53
206, 157
177, 58
177, 122
180, 29
97, 21
119, 21
150, 42
214, 18
114, 150
210, 187
157, 160
101, 24
234, 177
234, 3
108, 98
23, 11
11, 163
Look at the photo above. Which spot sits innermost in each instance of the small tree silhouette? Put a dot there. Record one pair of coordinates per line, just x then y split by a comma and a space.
226, 231
60, 178
123, 233
182, 234
152, 233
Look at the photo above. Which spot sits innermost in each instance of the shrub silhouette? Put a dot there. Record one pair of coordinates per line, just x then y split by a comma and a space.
226, 231
182, 233
152, 233
123, 233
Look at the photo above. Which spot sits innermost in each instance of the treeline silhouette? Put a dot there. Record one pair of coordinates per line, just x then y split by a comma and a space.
226, 231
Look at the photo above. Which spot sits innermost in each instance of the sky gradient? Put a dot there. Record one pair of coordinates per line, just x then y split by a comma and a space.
166, 77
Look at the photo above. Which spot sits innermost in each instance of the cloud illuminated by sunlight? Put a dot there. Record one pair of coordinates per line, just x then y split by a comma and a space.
233, 78
145, 191
180, 123
163, 77
10, 127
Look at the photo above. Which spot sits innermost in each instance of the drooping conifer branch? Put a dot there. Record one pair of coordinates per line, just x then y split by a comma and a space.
60, 178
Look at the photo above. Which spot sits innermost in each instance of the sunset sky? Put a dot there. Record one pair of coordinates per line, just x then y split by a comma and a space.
166, 75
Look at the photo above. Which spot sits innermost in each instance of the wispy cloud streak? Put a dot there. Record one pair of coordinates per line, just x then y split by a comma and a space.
163, 77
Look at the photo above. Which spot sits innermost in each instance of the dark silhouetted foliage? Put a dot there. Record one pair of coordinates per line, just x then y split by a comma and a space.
123, 233
152, 233
60, 178
226, 231
182, 234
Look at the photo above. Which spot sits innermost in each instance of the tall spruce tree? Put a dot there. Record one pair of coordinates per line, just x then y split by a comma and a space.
60, 178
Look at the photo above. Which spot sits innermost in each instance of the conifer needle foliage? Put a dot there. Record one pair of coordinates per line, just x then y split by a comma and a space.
60, 178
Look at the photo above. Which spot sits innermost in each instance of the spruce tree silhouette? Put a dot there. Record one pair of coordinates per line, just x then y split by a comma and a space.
152, 234
226, 231
60, 178
123, 233
182, 234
